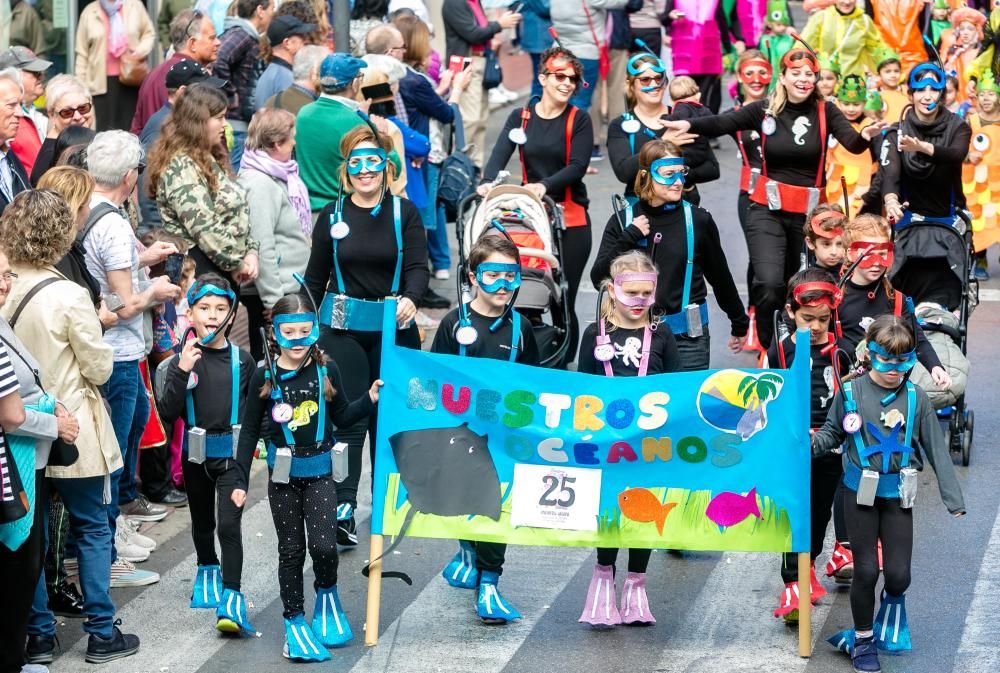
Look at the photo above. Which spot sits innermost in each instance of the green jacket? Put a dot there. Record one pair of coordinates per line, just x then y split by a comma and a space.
318, 130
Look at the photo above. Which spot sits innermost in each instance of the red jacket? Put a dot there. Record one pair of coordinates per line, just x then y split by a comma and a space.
26, 143
153, 93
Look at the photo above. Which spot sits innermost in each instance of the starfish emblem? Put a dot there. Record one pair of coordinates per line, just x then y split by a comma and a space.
885, 444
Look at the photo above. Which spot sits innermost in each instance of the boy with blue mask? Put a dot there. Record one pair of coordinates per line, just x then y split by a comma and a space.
487, 327
206, 386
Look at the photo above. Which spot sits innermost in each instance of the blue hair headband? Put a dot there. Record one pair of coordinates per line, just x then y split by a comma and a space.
206, 289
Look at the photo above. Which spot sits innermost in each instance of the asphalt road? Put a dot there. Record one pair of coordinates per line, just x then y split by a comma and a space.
713, 610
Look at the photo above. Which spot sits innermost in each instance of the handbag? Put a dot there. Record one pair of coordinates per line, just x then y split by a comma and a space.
603, 54
492, 74
133, 71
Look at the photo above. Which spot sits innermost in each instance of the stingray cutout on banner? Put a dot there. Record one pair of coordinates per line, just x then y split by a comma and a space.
446, 472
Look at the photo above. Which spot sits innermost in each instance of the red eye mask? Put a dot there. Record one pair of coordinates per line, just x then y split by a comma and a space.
832, 295
757, 77
874, 253
817, 221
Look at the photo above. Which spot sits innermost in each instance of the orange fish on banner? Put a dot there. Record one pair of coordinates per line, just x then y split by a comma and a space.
641, 506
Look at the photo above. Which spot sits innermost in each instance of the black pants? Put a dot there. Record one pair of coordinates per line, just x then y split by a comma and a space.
297, 507
359, 357
827, 473
20, 570
653, 37
255, 320
886, 521
638, 559
114, 110
209, 490
711, 91
490, 555
55, 554
577, 243
155, 475
742, 210
774, 239
839, 525
695, 352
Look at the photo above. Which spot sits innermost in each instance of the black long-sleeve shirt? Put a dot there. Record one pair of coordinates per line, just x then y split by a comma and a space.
545, 153
624, 159
793, 151
933, 194
671, 259
212, 395
821, 375
368, 254
297, 391
862, 304
663, 354
492, 345
927, 435
698, 155
461, 31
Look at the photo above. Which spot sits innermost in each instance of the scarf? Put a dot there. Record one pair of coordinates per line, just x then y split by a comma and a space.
941, 131
287, 172
117, 40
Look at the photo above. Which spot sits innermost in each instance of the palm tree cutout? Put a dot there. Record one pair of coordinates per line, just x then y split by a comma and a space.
756, 391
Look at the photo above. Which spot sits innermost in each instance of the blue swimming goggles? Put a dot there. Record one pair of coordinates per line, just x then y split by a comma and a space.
287, 318
897, 362
927, 75
641, 62
371, 159
662, 172
499, 283
204, 290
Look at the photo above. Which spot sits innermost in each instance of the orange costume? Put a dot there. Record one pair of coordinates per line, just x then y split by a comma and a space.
856, 169
900, 23
958, 58
981, 182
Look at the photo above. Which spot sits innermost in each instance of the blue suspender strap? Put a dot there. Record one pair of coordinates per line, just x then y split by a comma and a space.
689, 269
321, 400
911, 405
234, 375
189, 403
336, 268
398, 226
851, 406
515, 339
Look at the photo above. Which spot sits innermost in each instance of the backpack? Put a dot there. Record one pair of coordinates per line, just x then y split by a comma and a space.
458, 175
96, 213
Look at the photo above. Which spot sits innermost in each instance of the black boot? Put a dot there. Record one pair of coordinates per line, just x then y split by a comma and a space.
119, 645
66, 601
432, 299
40, 649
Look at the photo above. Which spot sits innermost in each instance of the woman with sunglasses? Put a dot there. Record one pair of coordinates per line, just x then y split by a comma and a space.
683, 241
366, 245
921, 168
554, 140
794, 123
67, 103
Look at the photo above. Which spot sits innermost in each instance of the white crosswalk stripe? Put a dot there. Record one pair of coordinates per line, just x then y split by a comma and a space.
978, 650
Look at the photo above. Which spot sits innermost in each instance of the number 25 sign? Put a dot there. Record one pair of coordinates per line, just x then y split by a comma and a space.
566, 498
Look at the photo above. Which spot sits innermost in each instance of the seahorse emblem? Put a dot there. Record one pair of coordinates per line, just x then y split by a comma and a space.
302, 414
800, 128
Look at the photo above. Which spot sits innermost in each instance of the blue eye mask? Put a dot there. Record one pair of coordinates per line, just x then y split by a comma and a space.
668, 178
927, 75
369, 159
641, 62
286, 318
499, 283
904, 362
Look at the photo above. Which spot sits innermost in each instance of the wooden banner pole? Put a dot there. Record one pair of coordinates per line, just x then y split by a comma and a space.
375, 592
805, 604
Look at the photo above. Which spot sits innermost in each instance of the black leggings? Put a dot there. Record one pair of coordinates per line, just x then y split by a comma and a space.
209, 490
774, 239
297, 507
490, 556
20, 570
742, 210
638, 559
359, 357
577, 243
827, 472
255, 320
893, 525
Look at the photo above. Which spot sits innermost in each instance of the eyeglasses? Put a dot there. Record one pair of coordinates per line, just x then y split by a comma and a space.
140, 168
401, 47
70, 112
194, 17
8, 277
646, 81
562, 77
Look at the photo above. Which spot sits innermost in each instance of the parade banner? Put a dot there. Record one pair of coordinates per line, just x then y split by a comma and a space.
497, 451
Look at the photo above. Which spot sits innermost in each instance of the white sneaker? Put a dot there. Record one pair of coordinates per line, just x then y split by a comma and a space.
442, 274
124, 574
495, 97
127, 549
511, 96
134, 536
34, 668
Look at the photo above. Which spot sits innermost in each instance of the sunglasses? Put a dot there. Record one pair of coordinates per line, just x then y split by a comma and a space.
140, 168
194, 17
70, 112
646, 81
562, 77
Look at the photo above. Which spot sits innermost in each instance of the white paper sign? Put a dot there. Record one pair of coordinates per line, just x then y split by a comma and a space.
545, 496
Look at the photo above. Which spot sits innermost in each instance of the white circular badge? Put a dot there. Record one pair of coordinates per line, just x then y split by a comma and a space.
769, 126
466, 335
852, 422
281, 412
631, 126
339, 230
518, 136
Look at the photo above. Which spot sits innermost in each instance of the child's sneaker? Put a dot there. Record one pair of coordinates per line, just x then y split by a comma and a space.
231, 615
841, 564
601, 608
329, 621
490, 605
635, 605
347, 529
301, 643
207, 587
461, 572
865, 656
816, 590
788, 603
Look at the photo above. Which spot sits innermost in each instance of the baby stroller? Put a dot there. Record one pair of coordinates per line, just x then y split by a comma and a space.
536, 228
934, 266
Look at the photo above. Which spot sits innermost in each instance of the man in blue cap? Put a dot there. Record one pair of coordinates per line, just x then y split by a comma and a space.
321, 124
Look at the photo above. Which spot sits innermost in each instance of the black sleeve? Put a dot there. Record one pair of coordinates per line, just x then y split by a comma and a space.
956, 152
701, 159
931, 440
253, 415
462, 21
170, 404
343, 412
615, 242
528, 355
891, 167
503, 149
580, 148
926, 354
416, 274
747, 118
248, 367
444, 337
586, 362
320, 256
665, 18
624, 162
671, 354
733, 23
842, 130
717, 273
723, 22
832, 434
